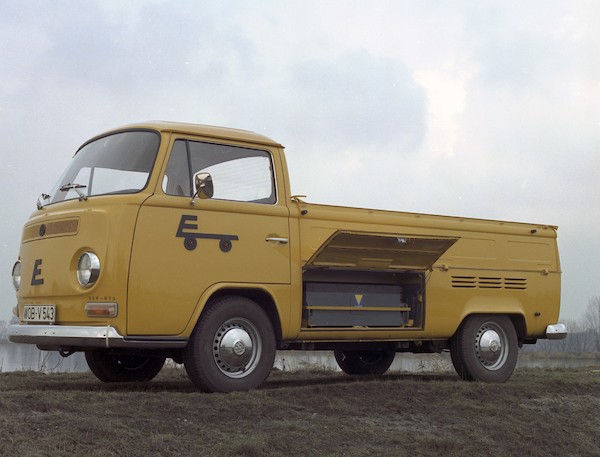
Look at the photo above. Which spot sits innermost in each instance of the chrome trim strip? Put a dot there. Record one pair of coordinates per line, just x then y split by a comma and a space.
556, 332
54, 337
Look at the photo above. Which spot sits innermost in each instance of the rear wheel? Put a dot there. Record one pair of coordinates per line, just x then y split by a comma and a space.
374, 362
485, 348
232, 347
109, 367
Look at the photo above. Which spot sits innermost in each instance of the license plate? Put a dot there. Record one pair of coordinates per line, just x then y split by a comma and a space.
39, 313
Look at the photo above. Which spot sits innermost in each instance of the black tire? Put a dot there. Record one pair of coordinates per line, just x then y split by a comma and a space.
108, 367
374, 362
485, 348
232, 347
457, 360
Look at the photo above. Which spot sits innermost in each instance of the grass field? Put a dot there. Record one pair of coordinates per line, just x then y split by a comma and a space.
306, 413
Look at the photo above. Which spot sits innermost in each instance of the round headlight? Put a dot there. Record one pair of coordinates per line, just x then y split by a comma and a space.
16, 275
88, 269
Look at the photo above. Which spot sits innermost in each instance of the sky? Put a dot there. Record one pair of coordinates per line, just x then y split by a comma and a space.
467, 108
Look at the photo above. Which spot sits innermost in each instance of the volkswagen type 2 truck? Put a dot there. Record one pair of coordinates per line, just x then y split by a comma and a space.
166, 240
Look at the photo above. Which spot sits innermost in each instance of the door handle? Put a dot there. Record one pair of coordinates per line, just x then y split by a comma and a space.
275, 239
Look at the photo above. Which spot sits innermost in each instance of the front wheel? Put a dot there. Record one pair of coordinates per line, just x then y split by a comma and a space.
232, 347
109, 367
375, 362
485, 348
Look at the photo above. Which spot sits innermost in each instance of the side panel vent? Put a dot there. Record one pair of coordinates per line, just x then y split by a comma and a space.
464, 282
515, 283
488, 282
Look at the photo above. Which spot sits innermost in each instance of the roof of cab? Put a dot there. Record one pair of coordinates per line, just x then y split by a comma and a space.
209, 131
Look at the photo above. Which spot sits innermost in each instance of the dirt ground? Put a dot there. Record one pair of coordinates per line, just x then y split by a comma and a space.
306, 413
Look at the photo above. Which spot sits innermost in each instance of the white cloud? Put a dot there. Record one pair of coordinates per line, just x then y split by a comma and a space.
446, 88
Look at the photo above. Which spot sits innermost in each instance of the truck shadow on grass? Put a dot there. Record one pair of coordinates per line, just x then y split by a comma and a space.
175, 380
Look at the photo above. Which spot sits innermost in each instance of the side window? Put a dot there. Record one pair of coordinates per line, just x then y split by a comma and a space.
245, 179
238, 174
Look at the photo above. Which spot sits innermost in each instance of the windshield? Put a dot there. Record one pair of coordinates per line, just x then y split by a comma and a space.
115, 164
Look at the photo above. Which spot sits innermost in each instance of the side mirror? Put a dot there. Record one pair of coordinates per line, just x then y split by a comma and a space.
204, 187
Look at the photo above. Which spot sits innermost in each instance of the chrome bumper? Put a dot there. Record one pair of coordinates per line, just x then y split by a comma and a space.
56, 337
556, 332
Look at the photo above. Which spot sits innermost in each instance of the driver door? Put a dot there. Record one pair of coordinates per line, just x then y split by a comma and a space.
180, 250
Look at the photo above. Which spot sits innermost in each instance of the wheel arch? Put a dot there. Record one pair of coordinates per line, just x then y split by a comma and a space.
520, 325
517, 319
261, 297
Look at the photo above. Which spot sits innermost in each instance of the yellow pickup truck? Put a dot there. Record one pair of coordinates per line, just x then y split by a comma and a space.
166, 240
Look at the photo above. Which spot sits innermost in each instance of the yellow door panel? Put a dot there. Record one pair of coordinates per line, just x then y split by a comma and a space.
169, 273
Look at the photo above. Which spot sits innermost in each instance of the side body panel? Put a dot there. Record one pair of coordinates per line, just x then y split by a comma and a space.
494, 267
167, 280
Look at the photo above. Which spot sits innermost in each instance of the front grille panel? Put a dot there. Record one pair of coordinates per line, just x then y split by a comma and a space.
51, 229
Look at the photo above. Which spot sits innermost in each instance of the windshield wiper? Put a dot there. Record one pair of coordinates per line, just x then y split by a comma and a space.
76, 187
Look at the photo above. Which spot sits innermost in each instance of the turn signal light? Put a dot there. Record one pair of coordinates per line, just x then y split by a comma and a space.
101, 309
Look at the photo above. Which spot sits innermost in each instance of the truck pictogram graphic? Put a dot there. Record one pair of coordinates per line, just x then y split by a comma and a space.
188, 231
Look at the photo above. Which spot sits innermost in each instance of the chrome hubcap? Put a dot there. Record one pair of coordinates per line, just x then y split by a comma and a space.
237, 347
490, 346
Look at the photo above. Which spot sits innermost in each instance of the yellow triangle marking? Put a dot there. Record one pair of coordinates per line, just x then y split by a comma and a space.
358, 299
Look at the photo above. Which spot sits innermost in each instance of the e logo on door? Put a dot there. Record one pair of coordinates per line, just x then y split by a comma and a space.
190, 237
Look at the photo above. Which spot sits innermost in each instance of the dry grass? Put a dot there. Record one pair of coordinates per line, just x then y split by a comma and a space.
538, 412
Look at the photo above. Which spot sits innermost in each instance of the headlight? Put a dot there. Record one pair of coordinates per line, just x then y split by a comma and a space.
88, 269
16, 275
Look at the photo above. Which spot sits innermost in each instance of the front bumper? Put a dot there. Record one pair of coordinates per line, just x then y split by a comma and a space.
61, 337
556, 332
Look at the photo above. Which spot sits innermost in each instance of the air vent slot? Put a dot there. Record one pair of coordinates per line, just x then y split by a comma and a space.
515, 283
465, 282
488, 282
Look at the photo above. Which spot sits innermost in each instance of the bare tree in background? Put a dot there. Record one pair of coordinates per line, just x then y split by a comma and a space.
583, 336
592, 321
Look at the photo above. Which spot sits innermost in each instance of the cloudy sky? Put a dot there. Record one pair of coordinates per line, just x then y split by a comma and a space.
471, 108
